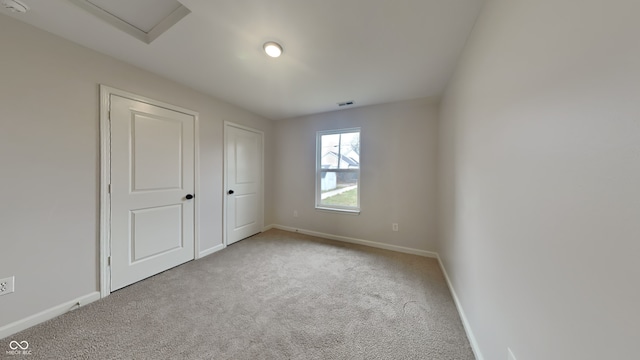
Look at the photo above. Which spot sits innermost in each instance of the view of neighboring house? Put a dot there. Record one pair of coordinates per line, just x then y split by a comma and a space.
334, 160
339, 151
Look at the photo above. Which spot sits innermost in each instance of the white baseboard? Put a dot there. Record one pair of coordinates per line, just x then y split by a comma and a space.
210, 251
463, 317
374, 244
47, 314
267, 228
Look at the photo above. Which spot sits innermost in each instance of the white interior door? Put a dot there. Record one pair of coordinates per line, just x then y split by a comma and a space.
152, 184
243, 164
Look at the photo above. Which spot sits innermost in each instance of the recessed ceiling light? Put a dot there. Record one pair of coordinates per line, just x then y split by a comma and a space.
272, 49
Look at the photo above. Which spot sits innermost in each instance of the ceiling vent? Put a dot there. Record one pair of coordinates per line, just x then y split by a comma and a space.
143, 19
346, 103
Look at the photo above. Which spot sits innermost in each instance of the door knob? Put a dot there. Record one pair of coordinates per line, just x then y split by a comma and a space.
230, 192
189, 196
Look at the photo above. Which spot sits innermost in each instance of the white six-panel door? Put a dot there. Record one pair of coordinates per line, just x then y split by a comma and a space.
243, 163
152, 181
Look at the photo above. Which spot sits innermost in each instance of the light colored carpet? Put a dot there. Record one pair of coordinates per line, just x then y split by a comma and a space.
277, 295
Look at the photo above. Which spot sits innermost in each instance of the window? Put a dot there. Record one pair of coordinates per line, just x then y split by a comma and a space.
338, 170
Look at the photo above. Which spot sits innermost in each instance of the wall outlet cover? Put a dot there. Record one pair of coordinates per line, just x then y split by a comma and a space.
7, 285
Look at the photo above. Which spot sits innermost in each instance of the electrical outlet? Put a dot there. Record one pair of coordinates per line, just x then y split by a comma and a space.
7, 285
510, 355
394, 226
295, 213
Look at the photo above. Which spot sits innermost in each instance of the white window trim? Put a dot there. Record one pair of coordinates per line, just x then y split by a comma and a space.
335, 208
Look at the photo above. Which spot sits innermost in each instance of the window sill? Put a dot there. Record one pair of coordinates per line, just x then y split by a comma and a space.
334, 210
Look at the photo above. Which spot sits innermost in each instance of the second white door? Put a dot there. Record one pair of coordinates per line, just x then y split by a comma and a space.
244, 169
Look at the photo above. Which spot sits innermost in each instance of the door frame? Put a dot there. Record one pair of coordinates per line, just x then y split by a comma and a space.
225, 182
105, 178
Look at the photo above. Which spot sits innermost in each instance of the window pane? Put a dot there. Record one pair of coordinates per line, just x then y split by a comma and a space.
340, 151
339, 188
338, 170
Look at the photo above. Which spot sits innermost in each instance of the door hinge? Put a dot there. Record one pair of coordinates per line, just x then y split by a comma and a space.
109, 260
109, 114
109, 188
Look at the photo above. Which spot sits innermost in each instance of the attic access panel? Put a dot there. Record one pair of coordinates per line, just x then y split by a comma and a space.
145, 20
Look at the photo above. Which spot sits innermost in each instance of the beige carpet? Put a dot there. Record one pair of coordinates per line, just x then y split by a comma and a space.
277, 295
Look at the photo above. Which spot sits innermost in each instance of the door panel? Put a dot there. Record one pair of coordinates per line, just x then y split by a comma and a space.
152, 169
157, 153
246, 210
156, 231
244, 177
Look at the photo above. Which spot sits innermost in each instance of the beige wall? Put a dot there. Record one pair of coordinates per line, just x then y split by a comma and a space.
540, 177
397, 173
49, 162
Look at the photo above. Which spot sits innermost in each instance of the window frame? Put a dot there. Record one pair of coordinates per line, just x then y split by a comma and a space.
319, 171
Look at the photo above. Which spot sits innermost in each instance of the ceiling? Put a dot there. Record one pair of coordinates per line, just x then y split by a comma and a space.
366, 51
